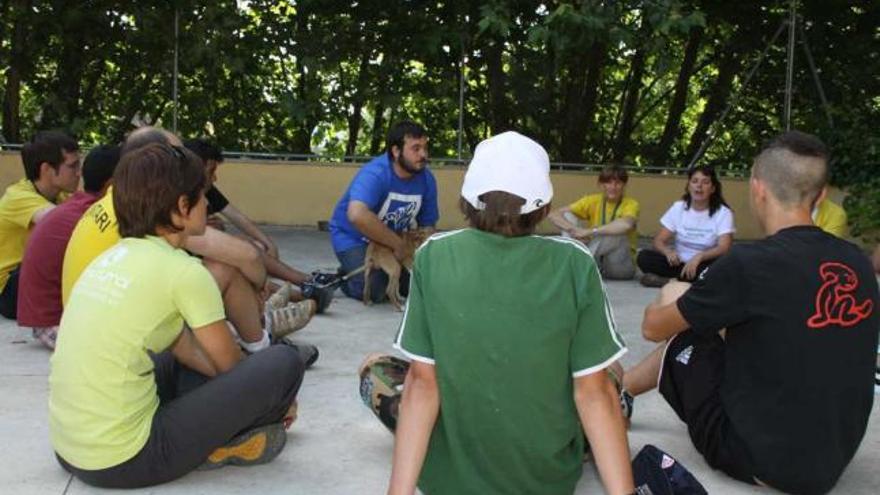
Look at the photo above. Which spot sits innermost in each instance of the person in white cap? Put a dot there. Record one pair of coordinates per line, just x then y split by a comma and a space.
509, 343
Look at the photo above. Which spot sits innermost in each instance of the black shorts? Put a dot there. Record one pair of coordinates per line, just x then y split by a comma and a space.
690, 381
9, 295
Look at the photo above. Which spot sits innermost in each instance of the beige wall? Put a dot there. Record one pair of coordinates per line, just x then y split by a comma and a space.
302, 193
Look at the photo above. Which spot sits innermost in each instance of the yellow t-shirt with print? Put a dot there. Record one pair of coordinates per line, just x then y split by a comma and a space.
133, 298
831, 218
95, 232
589, 209
17, 208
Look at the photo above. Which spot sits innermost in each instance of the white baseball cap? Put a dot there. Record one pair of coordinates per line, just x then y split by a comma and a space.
512, 163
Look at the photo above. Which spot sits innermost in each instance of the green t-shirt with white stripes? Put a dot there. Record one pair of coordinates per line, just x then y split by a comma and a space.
508, 323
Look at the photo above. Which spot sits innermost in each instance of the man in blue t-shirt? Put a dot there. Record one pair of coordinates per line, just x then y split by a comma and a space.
391, 193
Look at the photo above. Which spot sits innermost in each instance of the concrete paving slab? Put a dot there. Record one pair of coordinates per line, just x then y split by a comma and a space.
336, 446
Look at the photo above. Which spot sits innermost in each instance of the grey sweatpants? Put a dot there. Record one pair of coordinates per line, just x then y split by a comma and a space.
197, 415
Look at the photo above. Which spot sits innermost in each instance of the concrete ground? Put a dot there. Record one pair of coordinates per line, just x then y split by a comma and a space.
337, 446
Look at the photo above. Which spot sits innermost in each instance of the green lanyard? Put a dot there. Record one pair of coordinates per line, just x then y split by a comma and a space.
613, 213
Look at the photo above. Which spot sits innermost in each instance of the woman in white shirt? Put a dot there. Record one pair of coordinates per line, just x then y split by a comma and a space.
701, 225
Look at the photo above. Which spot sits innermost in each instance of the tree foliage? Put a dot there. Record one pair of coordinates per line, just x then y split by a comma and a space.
644, 83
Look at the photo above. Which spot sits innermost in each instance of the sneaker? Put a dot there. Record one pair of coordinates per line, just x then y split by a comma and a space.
877, 381
256, 446
325, 279
652, 280
46, 336
290, 318
322, 295
280, 298
307, 352
626, 404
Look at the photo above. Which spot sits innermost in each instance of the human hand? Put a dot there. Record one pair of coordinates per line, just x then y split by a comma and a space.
672, 258
689, 271
581, 233
290, 417
399, 250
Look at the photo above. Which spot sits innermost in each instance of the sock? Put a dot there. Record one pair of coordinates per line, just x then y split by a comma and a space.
252, 347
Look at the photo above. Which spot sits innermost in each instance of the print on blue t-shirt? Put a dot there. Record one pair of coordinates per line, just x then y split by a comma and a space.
399, 204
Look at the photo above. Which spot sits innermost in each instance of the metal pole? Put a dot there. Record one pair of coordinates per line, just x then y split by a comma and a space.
461, 62
825, 106
789, 73
176, 53
710, 135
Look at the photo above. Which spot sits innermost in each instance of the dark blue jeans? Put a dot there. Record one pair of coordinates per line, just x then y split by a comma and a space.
353, 259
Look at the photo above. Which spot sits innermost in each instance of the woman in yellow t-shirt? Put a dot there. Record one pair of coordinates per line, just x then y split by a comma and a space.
146, 383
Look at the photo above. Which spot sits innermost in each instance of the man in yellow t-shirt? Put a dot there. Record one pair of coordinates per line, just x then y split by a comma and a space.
52, 170
610, 218
95, 232
831, 218
234, 263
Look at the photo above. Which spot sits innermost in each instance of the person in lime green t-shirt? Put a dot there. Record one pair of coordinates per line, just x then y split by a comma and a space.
610, 218
501, 387
147, 383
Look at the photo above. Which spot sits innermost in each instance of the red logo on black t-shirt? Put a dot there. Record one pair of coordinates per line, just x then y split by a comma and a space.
835, 303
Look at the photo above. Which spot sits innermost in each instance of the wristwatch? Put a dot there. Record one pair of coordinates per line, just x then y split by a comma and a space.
595, 231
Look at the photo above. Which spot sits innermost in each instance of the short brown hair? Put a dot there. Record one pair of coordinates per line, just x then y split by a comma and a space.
148, 183
613, 172
501, 214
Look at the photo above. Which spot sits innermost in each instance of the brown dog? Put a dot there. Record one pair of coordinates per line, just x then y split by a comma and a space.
382, 257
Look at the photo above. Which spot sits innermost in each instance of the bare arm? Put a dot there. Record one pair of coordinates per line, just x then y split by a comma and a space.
877, 259
661, 244
217, 346
247, 226
689, 271
599, 409
557, 218
231, 250
619, 226
41, 214
418, 413
188, 352
369, 224
662, 318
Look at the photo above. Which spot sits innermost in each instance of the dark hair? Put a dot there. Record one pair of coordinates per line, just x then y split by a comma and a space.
204, 149
148, 183
716, 200
401, 130
143, 136
501, 214
799, 143
613, 172
45, 147
99, 166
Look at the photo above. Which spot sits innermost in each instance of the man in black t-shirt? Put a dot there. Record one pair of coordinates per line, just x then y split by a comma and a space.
218, 204
783, 395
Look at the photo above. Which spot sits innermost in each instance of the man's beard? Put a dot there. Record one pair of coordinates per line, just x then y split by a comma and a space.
408, 165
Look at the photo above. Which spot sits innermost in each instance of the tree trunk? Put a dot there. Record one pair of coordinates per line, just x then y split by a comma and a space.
718, 97
355, 119
679, 98
579, 108
16, 71
632, 92
62, 105
377, 140
495, 77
